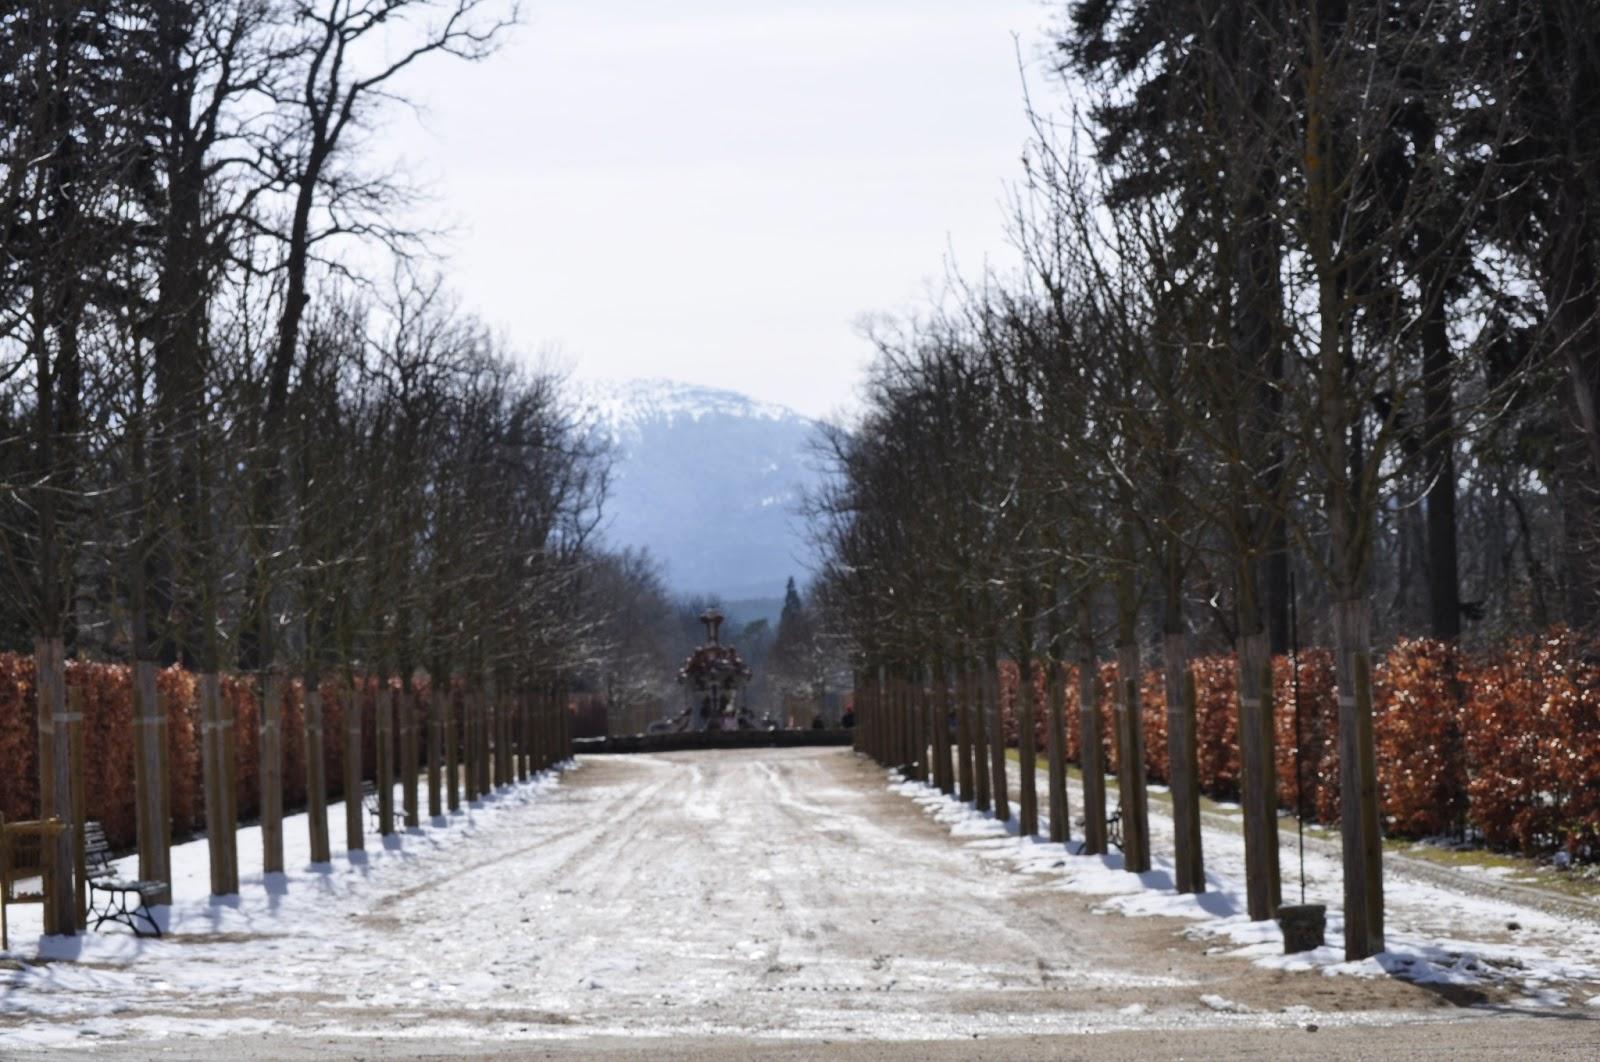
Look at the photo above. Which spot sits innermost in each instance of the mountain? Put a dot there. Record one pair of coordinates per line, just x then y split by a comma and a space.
709, 480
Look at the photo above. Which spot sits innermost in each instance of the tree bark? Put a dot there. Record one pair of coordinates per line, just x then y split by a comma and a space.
152, 791
1060, 809
1133, 797
269, 731
409, 754
997, 744
1188, 857
1091, 751
980, 729
963, 691
436, 713
217, 751
384, 706
1027, 739
316, 773
354, 827
55, 781
1258, 776
1358, 785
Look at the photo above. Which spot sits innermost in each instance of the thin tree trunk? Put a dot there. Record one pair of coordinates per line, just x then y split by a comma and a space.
997, 743
1134, 800
216, 726
1444, 580
354, 827
1358, 785
1027, 753
1184, 764
269, 731
55, 780
1258, 776
152, 793
469, 744
436, 711
1091, 742
316, 772
941, 743
981, 735
409, 754
962, 679
384, 705
917, 719
1056, 737
452, 752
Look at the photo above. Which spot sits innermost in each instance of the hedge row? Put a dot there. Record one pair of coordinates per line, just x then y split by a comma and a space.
1505, 741
109, 742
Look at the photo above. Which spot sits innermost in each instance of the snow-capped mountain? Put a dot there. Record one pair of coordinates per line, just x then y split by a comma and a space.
709, 480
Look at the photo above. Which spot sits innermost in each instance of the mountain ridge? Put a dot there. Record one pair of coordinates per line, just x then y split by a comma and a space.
709, 480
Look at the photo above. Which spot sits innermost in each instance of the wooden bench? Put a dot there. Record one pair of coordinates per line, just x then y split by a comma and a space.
112, 899
25, 858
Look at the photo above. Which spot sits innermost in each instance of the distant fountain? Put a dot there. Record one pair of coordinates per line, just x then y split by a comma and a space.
713, 677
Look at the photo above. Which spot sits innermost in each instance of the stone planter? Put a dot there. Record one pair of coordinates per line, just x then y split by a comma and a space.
1303, 926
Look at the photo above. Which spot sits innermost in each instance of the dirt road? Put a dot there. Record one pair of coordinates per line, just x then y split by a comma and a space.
710, 904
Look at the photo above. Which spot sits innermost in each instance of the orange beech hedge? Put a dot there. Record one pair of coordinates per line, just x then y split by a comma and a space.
1505, 741
109, 742
1531, 730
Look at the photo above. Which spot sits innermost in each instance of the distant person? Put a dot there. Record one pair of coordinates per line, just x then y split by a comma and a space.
848, 719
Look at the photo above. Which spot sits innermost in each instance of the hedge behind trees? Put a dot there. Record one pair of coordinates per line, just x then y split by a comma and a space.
109, 743
1515, 754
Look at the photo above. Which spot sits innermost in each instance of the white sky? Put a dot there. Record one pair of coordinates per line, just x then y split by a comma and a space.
717, 191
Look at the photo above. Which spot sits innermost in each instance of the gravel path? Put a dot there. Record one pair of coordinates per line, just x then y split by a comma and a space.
705, 905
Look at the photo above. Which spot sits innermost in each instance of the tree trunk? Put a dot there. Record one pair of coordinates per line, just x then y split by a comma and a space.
354, 827
409, 754
1133, 799
55, 781
980, 734
1438, 403
1056, 741
1027, 740
316, 773
945, 768
384, 703
1091, 742
1258, 776
217, 751
469, 745
152, 790
917, 701
436, 712
963, 696
1056, 738
1358, 785
269, 730
1188, 858
452, 752
997, 734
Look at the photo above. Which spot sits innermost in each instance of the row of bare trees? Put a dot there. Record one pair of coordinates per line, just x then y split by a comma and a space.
1310, 296
221, 443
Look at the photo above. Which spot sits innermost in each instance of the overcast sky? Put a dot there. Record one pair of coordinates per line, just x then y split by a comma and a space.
716, 191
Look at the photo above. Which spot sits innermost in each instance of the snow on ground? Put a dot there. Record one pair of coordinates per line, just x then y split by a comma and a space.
258, 944
749, 897
1435, 935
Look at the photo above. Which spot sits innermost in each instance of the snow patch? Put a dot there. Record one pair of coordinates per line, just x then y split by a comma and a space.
1430, 939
